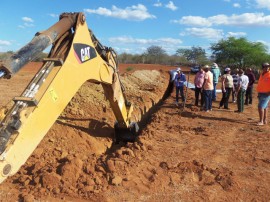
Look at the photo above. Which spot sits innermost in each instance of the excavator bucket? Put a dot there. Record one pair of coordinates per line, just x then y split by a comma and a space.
126, 134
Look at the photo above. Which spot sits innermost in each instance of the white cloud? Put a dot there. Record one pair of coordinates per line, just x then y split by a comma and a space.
158, 4
263, 42
267, 44
140, 45
28, 22
27, 19
131, 40
236, 5
28, 25
137, 13
4, 43
263, 4
210, 33
137, 50
171, 6
207, 33
53, 15
194, 21
236, 34
245, 19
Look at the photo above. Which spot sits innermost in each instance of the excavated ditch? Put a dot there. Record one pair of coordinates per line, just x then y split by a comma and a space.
77, 157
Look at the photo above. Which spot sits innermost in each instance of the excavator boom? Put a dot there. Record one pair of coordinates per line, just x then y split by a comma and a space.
76, 56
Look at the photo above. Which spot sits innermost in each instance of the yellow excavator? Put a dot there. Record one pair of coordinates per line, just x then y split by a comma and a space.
76, 56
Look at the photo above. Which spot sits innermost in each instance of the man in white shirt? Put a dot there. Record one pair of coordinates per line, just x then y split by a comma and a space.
241, 90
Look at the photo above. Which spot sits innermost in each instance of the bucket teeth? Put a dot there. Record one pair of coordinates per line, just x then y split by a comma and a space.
126, 134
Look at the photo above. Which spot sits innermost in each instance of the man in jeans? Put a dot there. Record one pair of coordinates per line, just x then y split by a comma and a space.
208, 88
251, 80
241, 90
179, 81
263, 90
227, 88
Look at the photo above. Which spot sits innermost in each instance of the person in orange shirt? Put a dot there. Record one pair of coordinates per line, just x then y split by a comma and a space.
263, 89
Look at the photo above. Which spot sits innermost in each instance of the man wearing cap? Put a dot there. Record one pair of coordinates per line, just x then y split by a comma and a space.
216, 74
263, 89
227, 88
179, 81
208, 88
251, 80
241, 90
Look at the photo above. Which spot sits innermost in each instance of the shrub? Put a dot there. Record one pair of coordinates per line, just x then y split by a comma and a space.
129, 69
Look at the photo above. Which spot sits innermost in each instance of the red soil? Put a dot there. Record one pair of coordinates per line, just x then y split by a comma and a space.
180, 155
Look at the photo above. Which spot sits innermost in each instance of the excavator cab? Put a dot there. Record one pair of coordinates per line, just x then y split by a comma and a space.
76, 56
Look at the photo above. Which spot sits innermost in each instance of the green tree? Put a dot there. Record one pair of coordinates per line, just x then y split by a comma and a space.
125, 58
195, 55
155, 54
239, 52
137, 58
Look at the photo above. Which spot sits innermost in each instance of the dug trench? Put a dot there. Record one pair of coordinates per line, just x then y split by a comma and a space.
77, 156
180, 154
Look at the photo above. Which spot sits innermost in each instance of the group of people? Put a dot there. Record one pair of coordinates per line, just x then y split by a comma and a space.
238, 83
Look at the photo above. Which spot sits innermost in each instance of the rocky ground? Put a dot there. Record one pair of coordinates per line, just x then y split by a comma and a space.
181, 154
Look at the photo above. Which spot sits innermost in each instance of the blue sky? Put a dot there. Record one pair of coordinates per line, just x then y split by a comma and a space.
133, 26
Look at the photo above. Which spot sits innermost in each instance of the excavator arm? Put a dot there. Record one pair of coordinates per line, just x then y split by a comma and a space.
76, 56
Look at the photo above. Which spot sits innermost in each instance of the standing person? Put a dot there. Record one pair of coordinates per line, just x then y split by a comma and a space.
251, 80
216, 74
241, 90
227, 87
208, 88
235, 83
198, 82
263, 89
179, 80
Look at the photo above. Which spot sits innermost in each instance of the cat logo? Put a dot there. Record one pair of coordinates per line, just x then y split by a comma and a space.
84, 52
